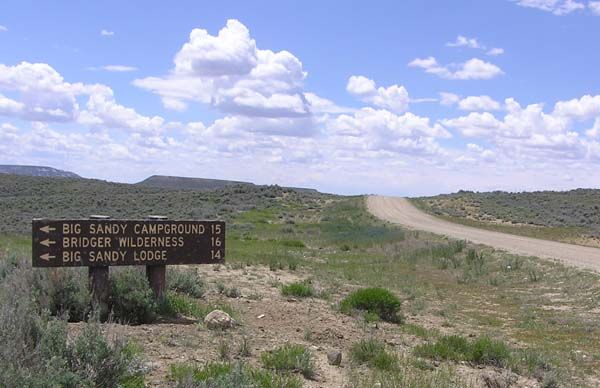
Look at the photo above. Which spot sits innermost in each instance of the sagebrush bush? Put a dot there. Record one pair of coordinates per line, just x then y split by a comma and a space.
374, 300
372, 353
299, 289
186, 281
132, 300
290, 358
68, 293
36, 351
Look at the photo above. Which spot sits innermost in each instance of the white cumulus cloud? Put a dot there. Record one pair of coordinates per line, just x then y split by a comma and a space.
229, 72
107, 33
379, 130
394, 98
42, 95
495, 51
474, 68
463, 41
475, 124
557, 7
478, 103
448, 99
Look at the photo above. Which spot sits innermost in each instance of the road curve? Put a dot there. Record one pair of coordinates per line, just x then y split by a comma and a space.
401, 211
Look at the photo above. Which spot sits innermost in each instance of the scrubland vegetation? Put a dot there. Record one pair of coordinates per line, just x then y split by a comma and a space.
406, 308
569, 216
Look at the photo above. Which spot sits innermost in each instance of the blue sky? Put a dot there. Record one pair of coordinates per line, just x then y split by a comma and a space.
408, 98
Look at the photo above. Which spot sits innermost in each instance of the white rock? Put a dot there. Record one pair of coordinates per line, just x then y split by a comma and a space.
218, 319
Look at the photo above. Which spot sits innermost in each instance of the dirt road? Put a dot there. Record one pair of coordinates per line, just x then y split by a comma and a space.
401, 211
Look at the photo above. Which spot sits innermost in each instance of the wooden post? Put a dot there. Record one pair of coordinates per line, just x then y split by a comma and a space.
157, 274
99, 283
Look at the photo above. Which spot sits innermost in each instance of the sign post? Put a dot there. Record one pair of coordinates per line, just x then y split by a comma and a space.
100, 242
157, 274
98, 281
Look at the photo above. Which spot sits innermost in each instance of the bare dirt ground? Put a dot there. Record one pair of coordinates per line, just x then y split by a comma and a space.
268, 320
401, 211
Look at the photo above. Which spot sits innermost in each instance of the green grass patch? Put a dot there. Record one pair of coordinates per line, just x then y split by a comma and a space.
299, 289
483, 350
418, 331
290, 358
374, 354
181, 304
292, 243
374, 300
226, 375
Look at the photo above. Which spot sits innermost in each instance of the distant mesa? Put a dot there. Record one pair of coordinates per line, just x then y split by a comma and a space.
43, 171
184, 183
155, 181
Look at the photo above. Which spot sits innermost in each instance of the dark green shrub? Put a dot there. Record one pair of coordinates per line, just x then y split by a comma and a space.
373, 353
292, 243
186, 281
373, 300
290, 358
132, 299
299, 289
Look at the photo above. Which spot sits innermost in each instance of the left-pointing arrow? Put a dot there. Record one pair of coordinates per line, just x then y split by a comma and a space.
47, 229
47, 242
47, 257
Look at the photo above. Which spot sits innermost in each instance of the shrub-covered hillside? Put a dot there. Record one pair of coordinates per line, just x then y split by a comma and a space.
23, 198
567, 213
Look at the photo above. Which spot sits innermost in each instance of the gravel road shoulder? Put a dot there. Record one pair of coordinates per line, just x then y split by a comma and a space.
401, 211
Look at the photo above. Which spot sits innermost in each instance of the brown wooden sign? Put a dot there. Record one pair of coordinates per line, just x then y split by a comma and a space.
72, 243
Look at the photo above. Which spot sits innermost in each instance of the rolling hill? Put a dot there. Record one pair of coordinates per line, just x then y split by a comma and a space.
184, 183
43, 171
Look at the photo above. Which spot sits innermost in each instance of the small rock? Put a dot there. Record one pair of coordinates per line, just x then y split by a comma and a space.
334, 357
292, 300
218, 319
377, 385
492, 381
261, 316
